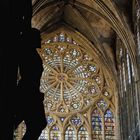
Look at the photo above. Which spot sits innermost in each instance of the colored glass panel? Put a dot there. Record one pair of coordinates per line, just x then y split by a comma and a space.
83, 134
55, 133
97, 127
70, 133
109, 125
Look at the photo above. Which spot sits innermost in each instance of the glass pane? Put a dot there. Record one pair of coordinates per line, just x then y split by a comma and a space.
109, 125
70, 134
97, 127
44, 135
55, 133
82, 133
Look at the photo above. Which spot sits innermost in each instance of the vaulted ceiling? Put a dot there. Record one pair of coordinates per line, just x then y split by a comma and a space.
98, 20
49, 12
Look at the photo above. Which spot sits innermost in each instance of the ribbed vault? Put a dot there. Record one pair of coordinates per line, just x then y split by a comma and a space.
99, 20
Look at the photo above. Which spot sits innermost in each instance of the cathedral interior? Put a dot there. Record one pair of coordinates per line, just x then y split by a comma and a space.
91, 79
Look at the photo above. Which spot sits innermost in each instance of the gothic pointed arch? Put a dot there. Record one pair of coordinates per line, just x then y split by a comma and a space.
80, 93
74, 82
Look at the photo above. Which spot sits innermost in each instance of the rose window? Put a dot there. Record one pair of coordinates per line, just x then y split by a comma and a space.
71, 78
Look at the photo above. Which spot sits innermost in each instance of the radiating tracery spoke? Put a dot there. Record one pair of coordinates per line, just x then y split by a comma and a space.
48, 77
72, 87
50, 86
49, 67
61, 64
68, 94
61, 90
70, 64
55, 91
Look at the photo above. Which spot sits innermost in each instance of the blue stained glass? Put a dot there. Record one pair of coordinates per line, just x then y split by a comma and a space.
50, 120
61, 38
76, 120
55, 128
96, 124
108, 114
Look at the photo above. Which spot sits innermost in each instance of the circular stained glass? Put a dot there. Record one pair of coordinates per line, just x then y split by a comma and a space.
67, 79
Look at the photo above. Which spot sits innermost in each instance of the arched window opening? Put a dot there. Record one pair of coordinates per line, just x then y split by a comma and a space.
97, 125
82, 133
109, 125
75, 81
70, 134
55, 133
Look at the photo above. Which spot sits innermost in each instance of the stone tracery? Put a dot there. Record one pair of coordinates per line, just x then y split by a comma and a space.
74, 82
